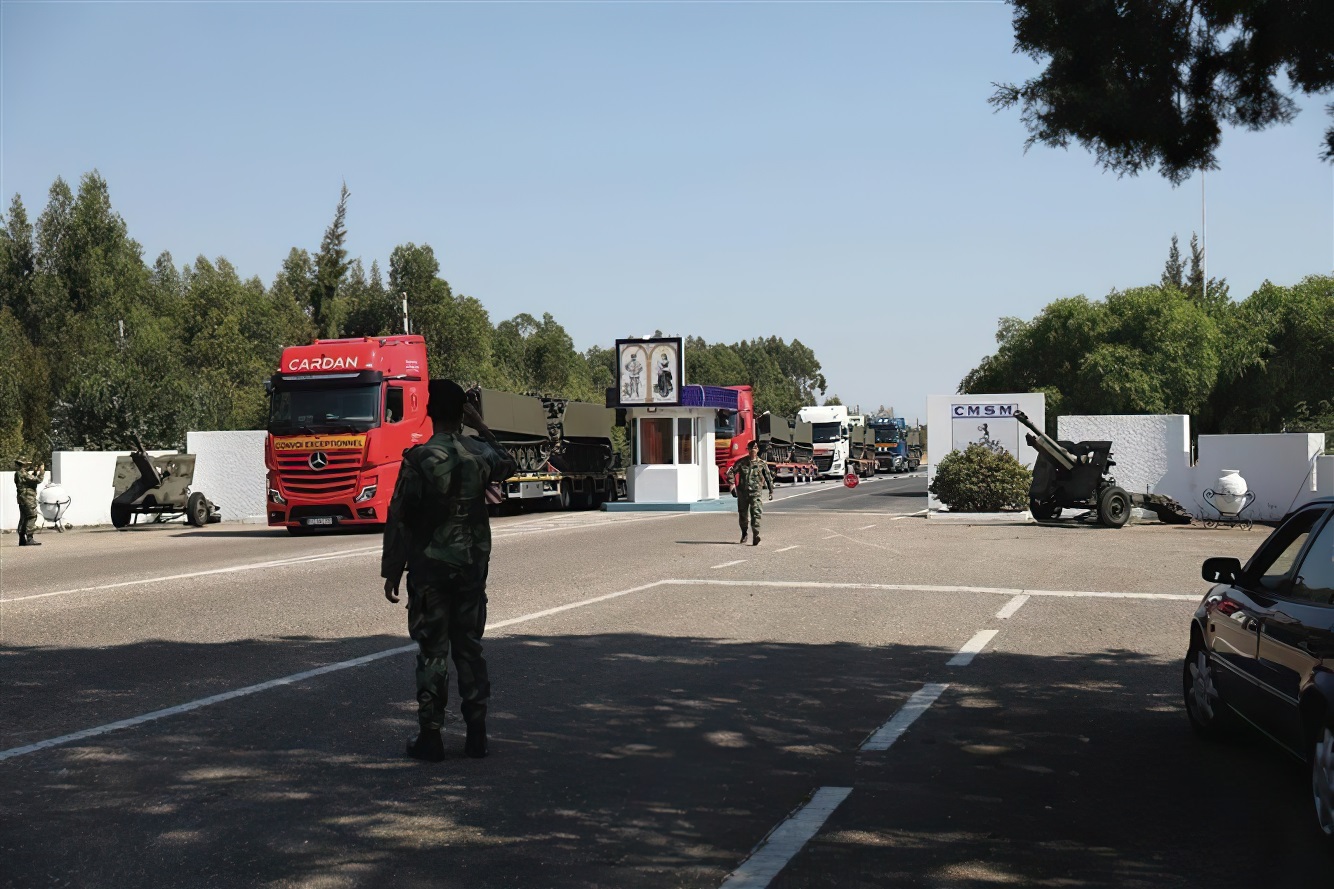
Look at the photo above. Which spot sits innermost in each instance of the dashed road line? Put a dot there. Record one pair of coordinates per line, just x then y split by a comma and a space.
786, 548
929, 588
785, 841
971, 648
884, 737
1011, 607
730, 564
864, 528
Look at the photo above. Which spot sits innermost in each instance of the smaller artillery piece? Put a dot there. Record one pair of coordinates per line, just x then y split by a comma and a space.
160, 487
1076, 475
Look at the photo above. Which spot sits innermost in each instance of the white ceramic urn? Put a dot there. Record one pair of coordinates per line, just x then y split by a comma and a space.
1230, 492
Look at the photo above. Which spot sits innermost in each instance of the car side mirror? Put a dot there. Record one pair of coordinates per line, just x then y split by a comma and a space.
1221, 569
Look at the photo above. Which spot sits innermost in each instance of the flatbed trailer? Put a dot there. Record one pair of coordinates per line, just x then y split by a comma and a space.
786, 448
563, 450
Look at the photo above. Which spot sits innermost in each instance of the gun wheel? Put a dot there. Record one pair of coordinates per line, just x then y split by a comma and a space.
1114, 507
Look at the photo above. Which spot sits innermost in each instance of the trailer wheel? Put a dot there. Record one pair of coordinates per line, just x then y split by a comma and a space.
196, 509
120, 515
1114, 507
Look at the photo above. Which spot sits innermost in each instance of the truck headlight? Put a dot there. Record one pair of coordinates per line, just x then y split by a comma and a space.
276, 496
366, 493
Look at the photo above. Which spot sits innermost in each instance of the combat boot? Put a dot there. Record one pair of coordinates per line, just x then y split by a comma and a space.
475, 745
755, 541
23, 540
33, 541
429, 746
744, 534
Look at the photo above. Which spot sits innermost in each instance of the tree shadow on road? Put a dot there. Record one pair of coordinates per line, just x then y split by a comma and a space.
636, 759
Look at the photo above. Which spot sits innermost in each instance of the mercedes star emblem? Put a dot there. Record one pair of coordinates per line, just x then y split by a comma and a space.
318, 460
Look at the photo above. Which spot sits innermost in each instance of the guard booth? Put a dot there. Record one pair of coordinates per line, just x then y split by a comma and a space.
670, 425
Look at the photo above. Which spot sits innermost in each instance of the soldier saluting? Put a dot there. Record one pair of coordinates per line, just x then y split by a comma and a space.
748, 475
26, 481
439, 531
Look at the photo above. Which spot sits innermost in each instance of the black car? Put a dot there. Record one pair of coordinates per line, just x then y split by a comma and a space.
1262, 646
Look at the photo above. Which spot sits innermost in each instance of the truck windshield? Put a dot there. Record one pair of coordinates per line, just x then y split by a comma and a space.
886, 434
725, 424
825, 432
349, 408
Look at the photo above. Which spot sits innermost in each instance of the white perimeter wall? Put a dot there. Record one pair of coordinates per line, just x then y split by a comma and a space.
1152, 455
229, 469
940, 420
1146, 447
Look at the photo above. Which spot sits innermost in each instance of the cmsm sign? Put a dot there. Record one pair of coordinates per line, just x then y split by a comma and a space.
966, 411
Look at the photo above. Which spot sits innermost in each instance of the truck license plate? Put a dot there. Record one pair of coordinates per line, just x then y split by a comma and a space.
320, 520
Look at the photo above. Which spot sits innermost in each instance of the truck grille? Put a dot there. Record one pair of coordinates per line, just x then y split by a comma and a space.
336, 480
824, 462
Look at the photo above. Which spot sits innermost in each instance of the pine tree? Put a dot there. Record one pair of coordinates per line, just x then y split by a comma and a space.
1174, 272
331, 266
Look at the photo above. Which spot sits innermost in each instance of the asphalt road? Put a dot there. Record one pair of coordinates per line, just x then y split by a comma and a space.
933, 704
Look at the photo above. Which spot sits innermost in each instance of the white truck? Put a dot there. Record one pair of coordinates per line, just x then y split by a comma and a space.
830, 425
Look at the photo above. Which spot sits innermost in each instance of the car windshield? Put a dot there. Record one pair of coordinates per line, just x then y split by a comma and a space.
886, 434
724, 426
344, 409
826, 432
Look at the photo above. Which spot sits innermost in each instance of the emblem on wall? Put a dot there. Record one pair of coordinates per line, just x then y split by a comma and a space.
649, 372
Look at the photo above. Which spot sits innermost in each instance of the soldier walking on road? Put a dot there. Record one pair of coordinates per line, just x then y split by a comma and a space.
438, 529
748, 475
26, 481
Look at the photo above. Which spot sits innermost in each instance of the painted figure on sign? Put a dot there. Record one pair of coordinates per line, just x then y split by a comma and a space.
664, 386
636, 371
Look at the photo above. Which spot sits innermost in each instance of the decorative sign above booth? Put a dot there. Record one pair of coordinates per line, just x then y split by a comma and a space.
649, 372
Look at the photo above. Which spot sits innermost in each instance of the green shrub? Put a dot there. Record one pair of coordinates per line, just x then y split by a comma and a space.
981, 480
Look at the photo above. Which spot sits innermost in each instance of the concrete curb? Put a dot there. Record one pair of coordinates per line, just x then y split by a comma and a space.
981, 518
728, 505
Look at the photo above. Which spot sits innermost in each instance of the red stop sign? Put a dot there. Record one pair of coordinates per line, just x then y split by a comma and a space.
851, 480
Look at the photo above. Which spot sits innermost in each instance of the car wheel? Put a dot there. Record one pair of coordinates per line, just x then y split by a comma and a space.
1208, 714
196, 510
1322, 780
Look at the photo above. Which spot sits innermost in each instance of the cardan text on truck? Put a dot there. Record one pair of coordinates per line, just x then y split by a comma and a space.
341, 413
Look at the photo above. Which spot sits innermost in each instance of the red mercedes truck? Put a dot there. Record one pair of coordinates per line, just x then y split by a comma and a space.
341, 413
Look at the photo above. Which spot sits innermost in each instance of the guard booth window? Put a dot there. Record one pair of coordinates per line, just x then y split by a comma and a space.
655, 441
393, 404
685, 440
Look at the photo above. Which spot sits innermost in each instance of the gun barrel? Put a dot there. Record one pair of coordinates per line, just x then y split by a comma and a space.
1048, 445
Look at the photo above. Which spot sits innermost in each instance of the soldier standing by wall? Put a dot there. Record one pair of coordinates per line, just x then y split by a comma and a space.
438, 529
26, 481
748, 475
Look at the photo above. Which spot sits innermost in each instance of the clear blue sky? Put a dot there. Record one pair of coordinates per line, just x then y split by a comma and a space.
829, 172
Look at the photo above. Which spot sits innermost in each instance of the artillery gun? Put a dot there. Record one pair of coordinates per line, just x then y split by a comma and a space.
1076, 475
160, 487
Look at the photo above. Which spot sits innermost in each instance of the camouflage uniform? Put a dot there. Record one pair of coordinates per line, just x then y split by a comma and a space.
750, 475
439, 530
26, 480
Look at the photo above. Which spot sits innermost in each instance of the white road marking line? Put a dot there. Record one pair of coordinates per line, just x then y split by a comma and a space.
921, 700
831, 536
927, 588
730, 564
288, 680
971, 648
864, 528
1011, 607
499, 534
231, 569
785, 841
786, 548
